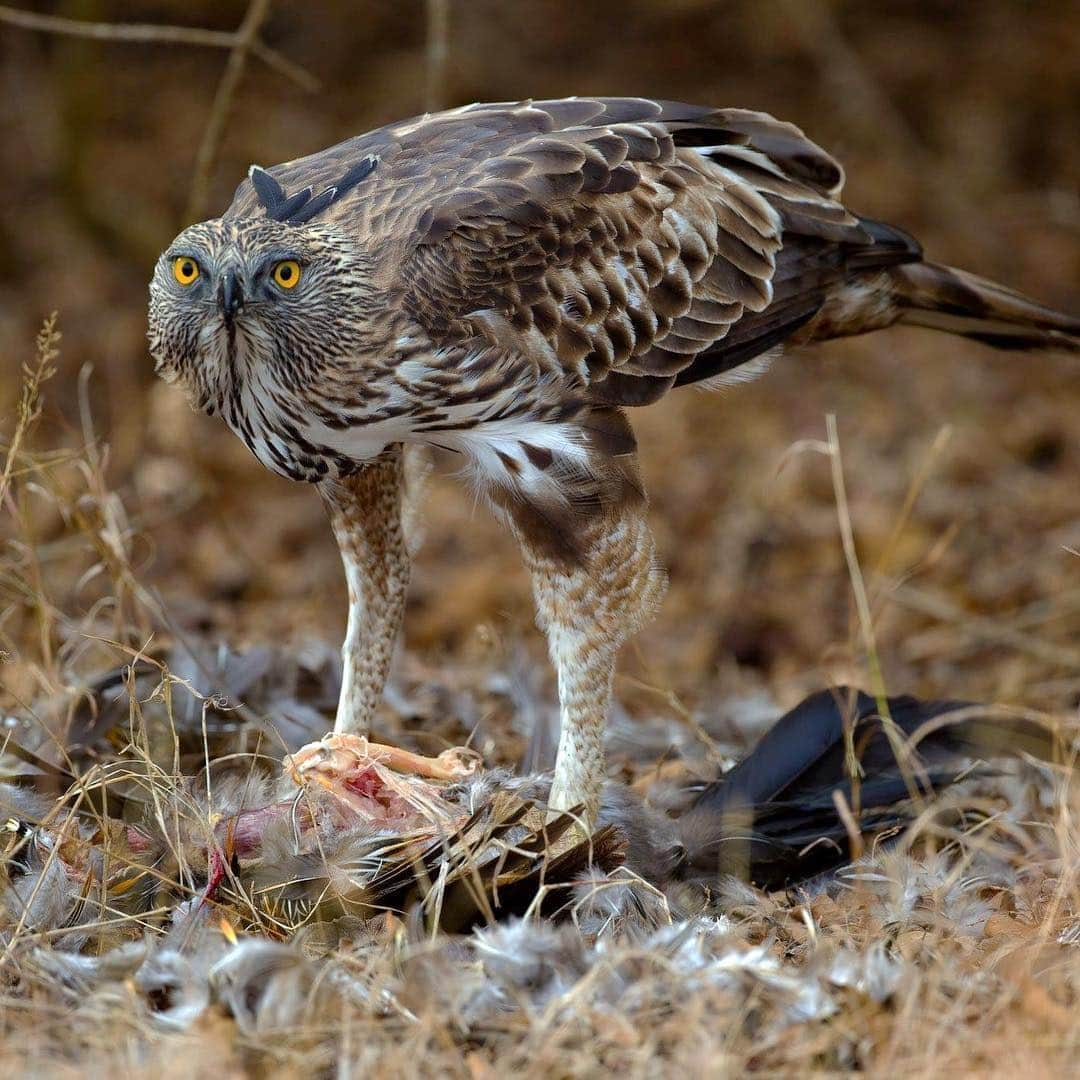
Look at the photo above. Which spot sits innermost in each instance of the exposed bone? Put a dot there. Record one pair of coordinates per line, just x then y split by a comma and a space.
339, 752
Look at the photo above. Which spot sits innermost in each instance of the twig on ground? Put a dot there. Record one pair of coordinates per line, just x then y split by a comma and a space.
843, 810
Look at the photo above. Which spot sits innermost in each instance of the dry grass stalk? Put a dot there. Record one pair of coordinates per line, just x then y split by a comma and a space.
34, 376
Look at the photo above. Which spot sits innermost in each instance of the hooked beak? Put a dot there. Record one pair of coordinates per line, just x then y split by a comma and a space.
230, 295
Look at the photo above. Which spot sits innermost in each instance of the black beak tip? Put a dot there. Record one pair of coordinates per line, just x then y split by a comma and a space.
230, 295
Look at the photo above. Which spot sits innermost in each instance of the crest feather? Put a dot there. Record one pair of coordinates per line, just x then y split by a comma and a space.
303, 205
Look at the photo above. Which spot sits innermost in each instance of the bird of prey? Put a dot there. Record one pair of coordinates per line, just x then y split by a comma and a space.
505, 280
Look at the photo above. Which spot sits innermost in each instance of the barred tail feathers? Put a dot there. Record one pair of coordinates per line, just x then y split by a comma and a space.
943, 298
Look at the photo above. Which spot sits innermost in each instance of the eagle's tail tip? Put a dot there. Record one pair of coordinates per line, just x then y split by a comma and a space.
944, 298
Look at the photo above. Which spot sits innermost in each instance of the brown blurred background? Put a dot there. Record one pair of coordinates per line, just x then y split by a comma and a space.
957, 121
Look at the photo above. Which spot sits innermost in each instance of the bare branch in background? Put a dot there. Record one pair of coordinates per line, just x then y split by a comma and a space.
242, 42
154, 34
436, 52
246, 35
861, 99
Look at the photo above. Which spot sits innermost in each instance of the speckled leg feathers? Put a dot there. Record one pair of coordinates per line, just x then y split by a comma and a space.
591, 595
365, 511
588, 606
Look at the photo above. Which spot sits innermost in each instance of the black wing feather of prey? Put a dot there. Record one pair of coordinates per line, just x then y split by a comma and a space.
773, 819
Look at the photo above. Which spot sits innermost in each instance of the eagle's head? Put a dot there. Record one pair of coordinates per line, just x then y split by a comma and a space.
234, 301
271, 296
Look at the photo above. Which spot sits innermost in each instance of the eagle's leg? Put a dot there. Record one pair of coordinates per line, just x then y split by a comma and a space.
588, 602
365, 511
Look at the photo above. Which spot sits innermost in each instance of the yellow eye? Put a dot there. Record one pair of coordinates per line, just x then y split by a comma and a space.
185, 269
287, 274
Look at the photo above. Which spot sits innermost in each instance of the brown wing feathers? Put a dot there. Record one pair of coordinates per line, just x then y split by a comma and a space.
636, 237
642, 244
569, 236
